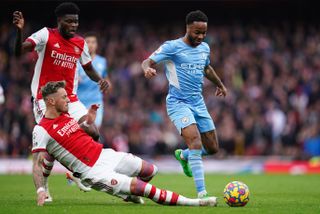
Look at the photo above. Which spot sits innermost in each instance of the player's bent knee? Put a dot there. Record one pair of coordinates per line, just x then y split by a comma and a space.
148, 171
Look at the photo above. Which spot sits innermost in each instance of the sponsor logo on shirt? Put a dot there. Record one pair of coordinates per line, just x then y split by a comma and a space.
192, 66
63, 59
69, 128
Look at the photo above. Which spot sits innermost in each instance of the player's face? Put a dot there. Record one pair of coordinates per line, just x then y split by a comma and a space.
68, 25
61, 100
92, 44
196, 32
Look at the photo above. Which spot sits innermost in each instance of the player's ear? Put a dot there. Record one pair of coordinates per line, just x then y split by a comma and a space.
51, 100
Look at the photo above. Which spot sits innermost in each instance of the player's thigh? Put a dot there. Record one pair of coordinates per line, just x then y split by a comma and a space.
39, 109
77, 110
129, 165
180, 114
112, 183
103, 176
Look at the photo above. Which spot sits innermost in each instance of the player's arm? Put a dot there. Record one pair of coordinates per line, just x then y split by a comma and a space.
147, 67
211, 75
38, 177
87, 122
93, 75
19, 47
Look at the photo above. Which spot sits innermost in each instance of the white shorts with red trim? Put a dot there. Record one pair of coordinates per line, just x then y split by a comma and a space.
113, 172
76, 109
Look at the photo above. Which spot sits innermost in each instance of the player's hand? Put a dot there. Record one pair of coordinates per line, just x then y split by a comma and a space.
221, 91
103, 84
18, 19
150, 72
92, 114
41, 198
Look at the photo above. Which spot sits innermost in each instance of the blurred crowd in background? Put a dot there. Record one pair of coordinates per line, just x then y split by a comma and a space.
272, 73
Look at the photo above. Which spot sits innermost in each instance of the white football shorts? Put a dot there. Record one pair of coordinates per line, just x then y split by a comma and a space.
113, 172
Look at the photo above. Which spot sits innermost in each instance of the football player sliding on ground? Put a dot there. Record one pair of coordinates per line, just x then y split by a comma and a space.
117, 173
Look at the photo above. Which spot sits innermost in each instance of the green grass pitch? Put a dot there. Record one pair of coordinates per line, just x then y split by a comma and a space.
269, 194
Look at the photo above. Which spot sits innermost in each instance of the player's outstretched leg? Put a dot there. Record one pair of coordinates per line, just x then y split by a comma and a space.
47, 166
183, 162
166, 197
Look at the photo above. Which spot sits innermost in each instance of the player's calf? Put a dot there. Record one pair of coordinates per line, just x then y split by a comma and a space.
166, 197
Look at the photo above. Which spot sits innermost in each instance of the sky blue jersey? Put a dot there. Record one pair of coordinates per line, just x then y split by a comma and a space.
88, 90
184, 67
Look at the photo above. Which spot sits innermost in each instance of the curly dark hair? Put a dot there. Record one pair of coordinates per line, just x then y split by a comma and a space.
196, 16
66, 8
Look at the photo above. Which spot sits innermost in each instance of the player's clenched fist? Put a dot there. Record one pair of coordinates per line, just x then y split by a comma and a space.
18, 19
150, 72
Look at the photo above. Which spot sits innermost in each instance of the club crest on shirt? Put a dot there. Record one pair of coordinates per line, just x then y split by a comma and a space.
203, 56
185, 120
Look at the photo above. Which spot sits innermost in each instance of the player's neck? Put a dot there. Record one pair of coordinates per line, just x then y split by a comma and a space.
52, 113
187, 41
63, 34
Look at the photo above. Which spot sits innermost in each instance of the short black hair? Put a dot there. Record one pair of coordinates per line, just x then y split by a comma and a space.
196, 16
51, 88
66, 8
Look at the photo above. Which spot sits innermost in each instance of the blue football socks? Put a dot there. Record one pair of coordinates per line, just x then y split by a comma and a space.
185, 153
196, 165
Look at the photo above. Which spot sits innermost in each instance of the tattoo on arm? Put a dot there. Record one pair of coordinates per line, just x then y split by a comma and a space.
38, 177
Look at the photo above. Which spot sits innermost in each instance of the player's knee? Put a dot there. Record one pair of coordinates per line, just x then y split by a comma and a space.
148, 171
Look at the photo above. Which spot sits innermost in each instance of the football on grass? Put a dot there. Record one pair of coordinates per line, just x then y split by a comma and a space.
236, 194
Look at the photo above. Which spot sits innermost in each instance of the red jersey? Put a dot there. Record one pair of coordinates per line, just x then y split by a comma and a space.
57, 60
67, 142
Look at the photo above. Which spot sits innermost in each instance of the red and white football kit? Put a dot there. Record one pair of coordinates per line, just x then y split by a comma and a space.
57, 60
66, 141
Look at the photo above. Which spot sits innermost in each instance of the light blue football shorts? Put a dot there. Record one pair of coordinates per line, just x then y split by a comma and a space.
184, 114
